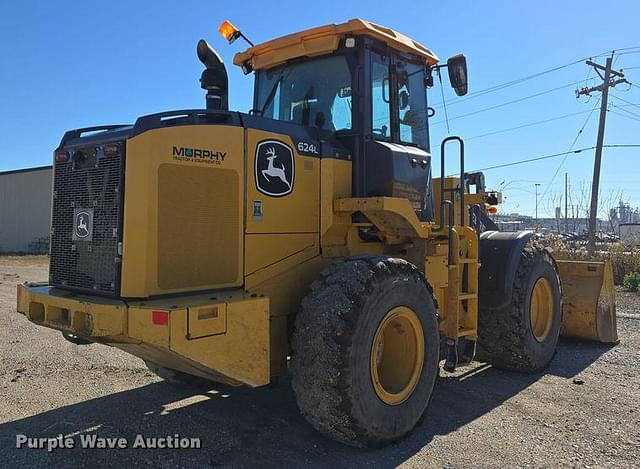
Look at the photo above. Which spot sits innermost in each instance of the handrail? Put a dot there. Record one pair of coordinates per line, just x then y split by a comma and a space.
450, 232
442, 173
77, 133
476, 211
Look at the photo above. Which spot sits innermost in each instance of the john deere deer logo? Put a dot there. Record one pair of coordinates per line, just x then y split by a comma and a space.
82, 228
83, 224
273, 171
274, 168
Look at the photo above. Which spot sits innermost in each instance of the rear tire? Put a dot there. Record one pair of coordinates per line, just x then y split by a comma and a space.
362, 315
523, 336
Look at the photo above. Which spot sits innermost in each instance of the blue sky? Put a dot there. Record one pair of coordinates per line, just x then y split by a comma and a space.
69, 64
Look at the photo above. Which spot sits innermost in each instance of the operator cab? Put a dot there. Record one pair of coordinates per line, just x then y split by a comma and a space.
359, 87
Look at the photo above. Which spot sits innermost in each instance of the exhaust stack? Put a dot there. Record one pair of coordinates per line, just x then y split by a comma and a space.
214, 78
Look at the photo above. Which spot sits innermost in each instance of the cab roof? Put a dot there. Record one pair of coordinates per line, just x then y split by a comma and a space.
324, 40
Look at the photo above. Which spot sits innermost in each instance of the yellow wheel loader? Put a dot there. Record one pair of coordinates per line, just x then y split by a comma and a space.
306, 235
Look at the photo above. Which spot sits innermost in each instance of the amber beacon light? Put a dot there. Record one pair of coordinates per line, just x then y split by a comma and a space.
229, 31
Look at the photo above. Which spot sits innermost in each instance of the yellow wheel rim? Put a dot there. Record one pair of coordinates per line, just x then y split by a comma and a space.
397, 355
541, 309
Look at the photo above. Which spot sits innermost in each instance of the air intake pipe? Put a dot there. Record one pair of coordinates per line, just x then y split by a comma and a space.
214, 78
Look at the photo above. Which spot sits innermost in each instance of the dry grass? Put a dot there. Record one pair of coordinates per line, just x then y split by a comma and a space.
26, 260
624, 259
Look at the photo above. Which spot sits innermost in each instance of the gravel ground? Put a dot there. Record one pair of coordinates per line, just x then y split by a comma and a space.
479, 417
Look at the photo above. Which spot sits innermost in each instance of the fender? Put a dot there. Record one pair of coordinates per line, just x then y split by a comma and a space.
499, 256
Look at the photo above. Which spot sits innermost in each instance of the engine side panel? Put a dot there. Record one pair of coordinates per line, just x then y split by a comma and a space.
183, 210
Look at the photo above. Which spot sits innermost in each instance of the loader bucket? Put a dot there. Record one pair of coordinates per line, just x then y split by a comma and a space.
588, 300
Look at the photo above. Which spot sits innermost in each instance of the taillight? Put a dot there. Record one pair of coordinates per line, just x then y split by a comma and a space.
111, 149
61, 156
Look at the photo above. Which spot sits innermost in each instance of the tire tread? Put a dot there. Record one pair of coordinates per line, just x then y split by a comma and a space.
321, 341
503, 336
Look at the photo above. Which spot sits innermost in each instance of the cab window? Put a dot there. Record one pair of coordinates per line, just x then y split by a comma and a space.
412, 103
314, 93
380, 98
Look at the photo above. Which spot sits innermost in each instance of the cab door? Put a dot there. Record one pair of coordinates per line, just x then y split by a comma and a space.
397, 161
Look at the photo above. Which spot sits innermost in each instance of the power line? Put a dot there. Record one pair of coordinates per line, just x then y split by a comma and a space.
625, 110
530, 160
446, 115
506, 84
527, 125
555, 155
571, 147
509, 102
624, 115
517, 81
625, 101
623, 49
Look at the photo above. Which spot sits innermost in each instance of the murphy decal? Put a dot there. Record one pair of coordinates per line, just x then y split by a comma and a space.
274, 168
200, 155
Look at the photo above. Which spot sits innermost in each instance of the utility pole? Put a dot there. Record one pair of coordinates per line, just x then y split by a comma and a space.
566, 202
537, 185
610, 79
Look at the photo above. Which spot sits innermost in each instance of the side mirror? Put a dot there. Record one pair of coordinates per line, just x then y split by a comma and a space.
457, 68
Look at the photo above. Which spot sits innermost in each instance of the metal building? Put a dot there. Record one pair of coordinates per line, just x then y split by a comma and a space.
25, 210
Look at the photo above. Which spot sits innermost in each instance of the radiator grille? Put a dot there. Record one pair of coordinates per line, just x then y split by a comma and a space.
198, 223
90, 183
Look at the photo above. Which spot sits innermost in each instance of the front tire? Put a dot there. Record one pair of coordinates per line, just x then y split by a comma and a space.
524, 335
365, 351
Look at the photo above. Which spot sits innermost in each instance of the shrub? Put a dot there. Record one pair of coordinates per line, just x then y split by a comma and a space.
624, 259
632, 281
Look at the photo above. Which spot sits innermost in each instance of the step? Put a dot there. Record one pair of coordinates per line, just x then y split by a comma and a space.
467, 296
467, 260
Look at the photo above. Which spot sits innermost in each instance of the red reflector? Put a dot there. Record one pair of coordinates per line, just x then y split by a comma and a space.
111, 149
61, 156
160, 318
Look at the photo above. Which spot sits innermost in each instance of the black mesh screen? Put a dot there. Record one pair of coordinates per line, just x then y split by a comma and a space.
91, 184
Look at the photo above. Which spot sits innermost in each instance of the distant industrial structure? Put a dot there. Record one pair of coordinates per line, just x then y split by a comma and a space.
516, 222
25, 210
624, 214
